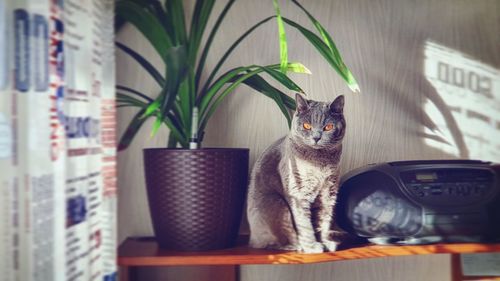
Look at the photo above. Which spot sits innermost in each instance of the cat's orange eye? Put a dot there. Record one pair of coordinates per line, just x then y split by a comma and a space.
307, 126
328, 127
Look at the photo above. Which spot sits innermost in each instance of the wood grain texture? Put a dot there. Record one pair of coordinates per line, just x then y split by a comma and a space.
382, 41
145, 252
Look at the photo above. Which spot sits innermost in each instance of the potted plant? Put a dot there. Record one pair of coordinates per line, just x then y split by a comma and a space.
196, 195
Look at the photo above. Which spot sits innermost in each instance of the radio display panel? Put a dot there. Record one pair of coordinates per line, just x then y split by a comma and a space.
463, 186
426, 176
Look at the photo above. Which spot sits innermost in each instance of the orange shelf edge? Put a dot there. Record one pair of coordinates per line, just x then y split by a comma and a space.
145, 252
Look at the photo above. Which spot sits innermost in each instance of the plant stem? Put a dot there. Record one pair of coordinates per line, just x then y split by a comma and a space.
172, 142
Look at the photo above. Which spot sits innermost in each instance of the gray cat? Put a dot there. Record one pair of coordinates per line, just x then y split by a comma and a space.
294, 183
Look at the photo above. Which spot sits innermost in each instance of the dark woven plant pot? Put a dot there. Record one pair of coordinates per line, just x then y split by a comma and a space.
196, 197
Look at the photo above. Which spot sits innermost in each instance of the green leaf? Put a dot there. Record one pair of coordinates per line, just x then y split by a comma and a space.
324, 34
325, 51
205, 111
327, 39
123, 98
132, 129
137, 93
183, 104
202, 11
204, 54
176, 72
297, 67
282, 38
175, 11
208, 113
176, 130
261, 86
229, 51
145, 4
164, 18
155, 74
177, 66
119, 23
282, 78
125, 105
207, 98
156, 125
177, 111
146, 23
352, 83
152, 108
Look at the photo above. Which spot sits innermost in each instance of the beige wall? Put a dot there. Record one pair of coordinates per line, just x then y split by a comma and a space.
383, 43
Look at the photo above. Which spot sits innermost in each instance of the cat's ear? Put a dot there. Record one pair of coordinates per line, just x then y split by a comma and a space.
337, 106
302, 104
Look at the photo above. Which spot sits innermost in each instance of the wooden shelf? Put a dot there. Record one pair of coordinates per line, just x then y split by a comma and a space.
145, 252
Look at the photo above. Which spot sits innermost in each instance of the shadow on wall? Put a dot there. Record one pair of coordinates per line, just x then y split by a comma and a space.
405, 55
465, 107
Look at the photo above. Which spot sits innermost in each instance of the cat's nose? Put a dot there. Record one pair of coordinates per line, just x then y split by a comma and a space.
316, 139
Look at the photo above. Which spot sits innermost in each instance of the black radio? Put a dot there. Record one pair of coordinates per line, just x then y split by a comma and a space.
416, 202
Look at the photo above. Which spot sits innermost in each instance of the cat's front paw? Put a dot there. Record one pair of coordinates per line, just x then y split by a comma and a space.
311, 248
331, 246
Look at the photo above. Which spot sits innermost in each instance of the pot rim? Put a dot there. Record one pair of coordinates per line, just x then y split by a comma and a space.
204, 149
